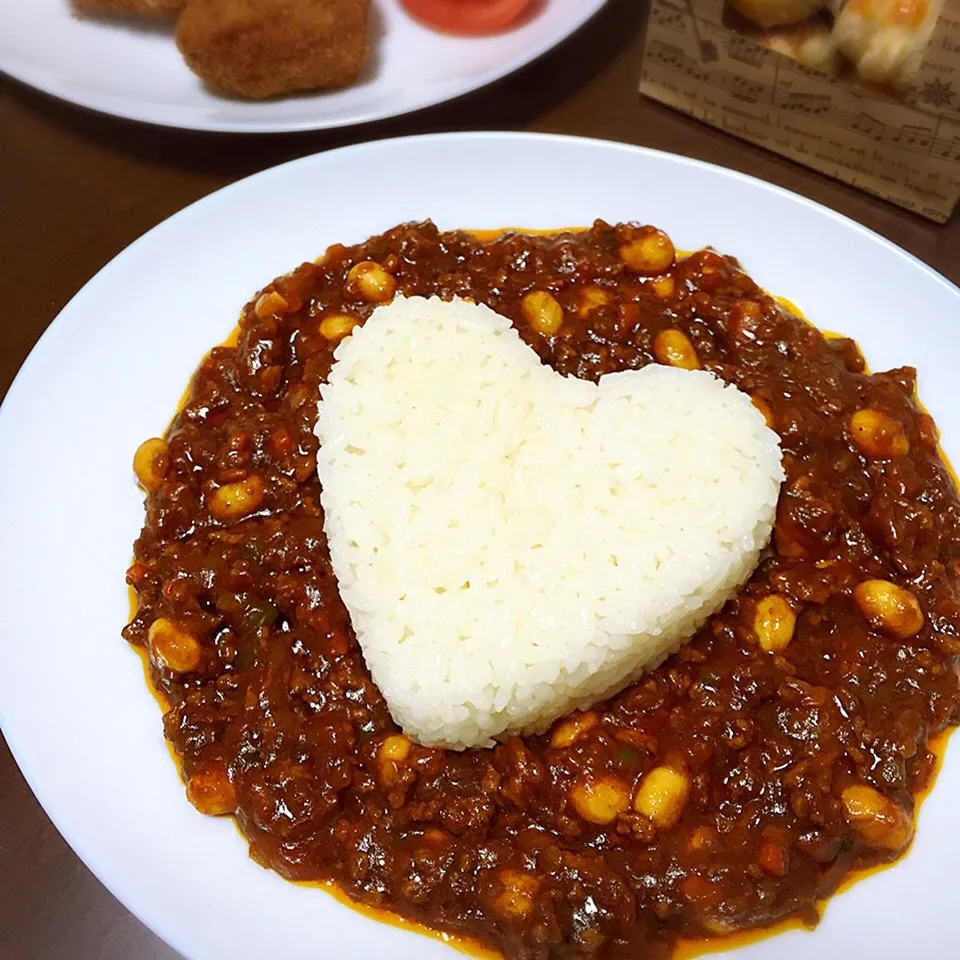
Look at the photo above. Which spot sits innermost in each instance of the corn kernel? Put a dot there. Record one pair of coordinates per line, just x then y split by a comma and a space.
151, 463
395, 748
663, 287
590, 298
877, 820
877, 435
651, 253
370, 282
673, 348
890, 609
392, 753
543, 312
211, 791
567, 731
173, 647
600, 799
335, 326
662, 796
519, 890
270, 304
233, 501
774, 622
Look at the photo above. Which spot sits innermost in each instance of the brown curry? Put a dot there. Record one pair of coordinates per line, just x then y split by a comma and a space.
735, 786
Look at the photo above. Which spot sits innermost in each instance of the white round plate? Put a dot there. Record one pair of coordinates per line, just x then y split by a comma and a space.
131, 68
108, 373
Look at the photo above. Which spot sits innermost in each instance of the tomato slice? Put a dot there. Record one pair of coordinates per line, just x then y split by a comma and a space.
467, 17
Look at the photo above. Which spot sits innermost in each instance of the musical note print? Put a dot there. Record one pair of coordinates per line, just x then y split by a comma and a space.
869, 126
746, 52
794, 66
742, 88
809, 104
914, 135
945, 149
668, 17
674, 58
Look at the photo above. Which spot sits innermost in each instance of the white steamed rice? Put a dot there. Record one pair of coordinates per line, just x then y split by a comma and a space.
512, 544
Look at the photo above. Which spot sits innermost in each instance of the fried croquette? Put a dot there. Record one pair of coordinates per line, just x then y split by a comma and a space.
167, 9
261, 48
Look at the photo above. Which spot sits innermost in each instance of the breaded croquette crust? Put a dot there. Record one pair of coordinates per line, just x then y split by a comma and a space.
167, 9
261, 48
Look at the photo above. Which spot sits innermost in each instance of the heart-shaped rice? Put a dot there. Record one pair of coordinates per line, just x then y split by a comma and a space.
511, 543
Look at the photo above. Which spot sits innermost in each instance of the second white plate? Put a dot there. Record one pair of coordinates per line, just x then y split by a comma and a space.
132, 68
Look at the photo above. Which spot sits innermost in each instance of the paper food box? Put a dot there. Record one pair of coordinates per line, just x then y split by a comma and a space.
867, 92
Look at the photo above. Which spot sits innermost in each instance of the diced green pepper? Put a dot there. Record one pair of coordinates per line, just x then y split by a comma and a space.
258, 616
246, 655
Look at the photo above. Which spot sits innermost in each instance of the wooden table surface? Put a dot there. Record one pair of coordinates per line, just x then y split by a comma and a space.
79, 187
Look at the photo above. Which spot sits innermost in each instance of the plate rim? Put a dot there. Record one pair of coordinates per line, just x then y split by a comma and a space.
542, 136
49, 85
84, 848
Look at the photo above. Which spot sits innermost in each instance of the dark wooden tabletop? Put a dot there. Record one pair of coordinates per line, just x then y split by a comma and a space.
79, 187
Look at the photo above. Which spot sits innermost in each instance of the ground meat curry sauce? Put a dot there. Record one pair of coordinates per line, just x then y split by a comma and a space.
734, 786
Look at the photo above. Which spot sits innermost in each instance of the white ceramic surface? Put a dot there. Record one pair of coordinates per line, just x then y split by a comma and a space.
132, 68
108, 373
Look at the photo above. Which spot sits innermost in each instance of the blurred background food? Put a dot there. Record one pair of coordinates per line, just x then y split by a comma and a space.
810, 42
774, 13
882, 40
266, 48
469, 17
885, 39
